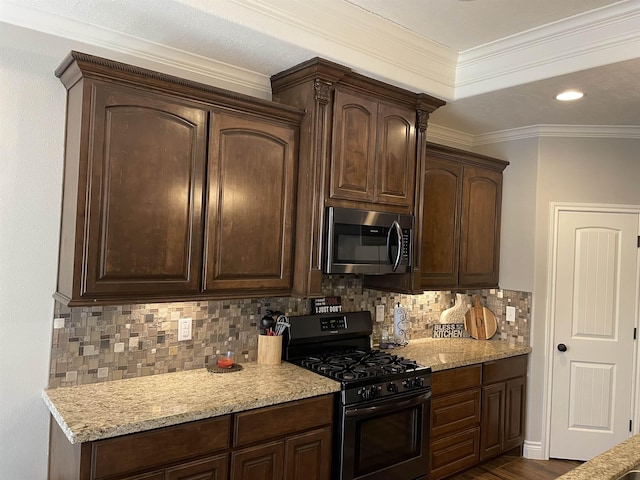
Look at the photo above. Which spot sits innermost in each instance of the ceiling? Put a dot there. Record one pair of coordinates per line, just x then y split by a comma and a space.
498, 63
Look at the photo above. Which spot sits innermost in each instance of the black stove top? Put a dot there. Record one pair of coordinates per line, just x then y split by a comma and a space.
338, 346
353, 365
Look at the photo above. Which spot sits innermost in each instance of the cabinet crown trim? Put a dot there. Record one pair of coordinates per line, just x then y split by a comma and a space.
77, 65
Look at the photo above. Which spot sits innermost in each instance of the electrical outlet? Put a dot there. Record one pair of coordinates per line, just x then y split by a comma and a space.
511, 314
380, 313
184, 329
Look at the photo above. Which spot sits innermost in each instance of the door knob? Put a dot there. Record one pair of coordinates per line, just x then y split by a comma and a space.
562, 347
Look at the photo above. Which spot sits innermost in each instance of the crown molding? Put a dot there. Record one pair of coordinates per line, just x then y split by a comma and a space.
174, 61
558, 131
439, 134
599, 37
373, 45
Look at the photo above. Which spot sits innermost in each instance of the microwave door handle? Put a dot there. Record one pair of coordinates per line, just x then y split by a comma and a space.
395, 227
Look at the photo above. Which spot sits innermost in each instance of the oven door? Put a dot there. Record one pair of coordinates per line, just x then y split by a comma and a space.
385, 439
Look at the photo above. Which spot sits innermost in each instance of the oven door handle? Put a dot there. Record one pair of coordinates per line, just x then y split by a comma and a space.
388, 406
395, 228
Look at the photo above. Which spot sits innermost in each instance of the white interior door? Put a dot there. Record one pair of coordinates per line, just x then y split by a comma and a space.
594, 310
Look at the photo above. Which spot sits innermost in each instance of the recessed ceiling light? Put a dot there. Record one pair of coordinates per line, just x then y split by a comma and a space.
569, 95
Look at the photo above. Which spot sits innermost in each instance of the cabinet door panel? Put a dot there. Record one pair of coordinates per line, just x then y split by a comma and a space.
353, 149
146, 170
492, 423
395, 156
207, 469
144, 450
441, 223
455, 412
250, 205
264, 462
158, 475
480, 237
515, 398
454, 453
308, 456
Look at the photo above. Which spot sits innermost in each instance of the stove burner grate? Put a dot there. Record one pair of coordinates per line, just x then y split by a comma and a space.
355, 365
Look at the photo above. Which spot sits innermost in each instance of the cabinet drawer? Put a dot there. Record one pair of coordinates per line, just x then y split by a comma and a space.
456, 379
454, 453
143, 451
500, 370
455, 412
279, 420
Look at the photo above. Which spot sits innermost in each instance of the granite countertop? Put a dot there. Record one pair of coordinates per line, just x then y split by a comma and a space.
445, 353
609, 465
102, 410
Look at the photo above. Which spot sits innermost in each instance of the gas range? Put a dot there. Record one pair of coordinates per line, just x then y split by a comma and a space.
338, 347
383, 407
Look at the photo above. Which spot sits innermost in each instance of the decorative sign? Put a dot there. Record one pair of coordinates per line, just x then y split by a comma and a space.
326, 305
449, 330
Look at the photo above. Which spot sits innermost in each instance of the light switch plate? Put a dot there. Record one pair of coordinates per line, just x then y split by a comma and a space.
511, 314
184, 329
380, 313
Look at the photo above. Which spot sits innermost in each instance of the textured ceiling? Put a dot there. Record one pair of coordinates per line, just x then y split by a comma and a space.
267, 36
462, 25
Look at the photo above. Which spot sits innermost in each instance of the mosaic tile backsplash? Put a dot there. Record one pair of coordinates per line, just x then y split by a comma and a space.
96, 344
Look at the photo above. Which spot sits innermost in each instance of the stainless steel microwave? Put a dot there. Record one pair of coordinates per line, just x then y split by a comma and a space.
367, 242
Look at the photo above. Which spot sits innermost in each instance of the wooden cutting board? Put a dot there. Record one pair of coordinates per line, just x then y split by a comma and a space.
479, 321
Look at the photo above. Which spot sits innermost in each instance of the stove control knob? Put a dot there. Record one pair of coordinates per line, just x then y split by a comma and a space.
365, 393
369, 392
408, 383
392, 387
418, 382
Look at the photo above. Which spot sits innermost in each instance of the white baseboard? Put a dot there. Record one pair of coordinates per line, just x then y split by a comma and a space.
533, 451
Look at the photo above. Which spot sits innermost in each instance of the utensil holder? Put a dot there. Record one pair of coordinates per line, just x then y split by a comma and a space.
269, 349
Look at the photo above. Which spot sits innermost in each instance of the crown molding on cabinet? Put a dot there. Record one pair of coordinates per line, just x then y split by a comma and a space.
603, 36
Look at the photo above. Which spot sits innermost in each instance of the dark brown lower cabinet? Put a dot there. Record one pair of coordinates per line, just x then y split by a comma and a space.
477, 412
307, 455
455, 420
503, 406
290, 441
263, 462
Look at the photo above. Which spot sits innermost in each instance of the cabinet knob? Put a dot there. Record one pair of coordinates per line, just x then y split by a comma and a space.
562, 347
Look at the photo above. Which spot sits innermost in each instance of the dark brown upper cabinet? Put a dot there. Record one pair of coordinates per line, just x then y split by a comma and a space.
460, 224
361, 142
373, 155
171, 188
250, 203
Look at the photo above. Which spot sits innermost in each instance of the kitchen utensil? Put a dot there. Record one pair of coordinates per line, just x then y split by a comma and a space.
281, 325
479, 321
266, 324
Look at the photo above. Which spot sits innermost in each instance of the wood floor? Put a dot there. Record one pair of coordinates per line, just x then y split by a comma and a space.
516, 468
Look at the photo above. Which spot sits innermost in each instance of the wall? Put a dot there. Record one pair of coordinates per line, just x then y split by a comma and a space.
31, 142
579, 170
